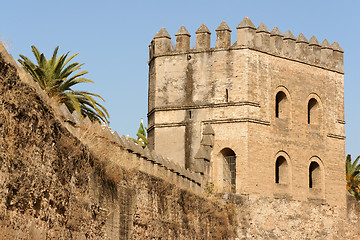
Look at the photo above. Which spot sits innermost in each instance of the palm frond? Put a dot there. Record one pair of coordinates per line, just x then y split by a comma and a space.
57, 76
67, 84
77, 75
73, 101
36, 53
53, 58
70, 58
67, 71
92, 94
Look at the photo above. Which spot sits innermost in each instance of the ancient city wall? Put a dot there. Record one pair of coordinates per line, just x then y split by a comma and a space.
65, 178
281, 218
56, 185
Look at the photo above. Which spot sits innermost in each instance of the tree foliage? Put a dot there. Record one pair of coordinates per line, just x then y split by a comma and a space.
352, 176
141, 136
57, 76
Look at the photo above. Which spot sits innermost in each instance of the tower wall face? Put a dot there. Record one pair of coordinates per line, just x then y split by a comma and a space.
193, 89
282, 115
292, 136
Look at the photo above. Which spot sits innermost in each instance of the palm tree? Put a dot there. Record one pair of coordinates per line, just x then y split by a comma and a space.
352, 176
57, 77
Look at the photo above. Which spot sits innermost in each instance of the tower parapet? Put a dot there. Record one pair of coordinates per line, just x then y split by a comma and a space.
326, 53
223, 33
245, 33
182, 39
338, 56
262, 38
289, 44
276, 41
203, 37
162, 42
315, 50
301, 47
249, 37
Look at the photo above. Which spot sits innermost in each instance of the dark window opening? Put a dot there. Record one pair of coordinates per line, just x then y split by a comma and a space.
189, 114
313, 112
230, 167
231, 161
227, 95
314, 175
281, 105
281, 170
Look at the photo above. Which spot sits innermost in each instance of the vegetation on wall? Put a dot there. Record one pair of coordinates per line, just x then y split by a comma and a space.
57, 76
352, 176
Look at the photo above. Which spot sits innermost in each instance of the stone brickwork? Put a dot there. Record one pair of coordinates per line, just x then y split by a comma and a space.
99, 137
276, 218
274, 102
63, 177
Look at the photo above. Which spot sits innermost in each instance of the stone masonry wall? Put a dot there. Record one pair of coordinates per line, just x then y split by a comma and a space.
54, 186
61, 180
281, 218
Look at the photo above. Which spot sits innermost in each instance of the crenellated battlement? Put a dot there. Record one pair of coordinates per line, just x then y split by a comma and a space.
126, 153
108, 146
260, 39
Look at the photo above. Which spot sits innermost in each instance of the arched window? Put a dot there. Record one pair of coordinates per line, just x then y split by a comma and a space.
281, 170
313, 111
229, 167
314, 175
282, 108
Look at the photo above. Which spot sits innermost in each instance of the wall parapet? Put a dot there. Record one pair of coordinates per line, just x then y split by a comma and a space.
97, 137
109, 146
260, 39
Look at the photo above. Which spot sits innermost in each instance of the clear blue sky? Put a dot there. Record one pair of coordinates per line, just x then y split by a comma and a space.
112, 39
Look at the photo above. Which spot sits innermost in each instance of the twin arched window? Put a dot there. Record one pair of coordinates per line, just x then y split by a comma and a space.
282, 173
282, 108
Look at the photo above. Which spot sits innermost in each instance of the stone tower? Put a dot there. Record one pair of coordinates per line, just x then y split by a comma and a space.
264, 115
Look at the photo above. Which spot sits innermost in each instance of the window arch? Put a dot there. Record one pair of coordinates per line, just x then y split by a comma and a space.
282, 105
281, 170
314, 114
229, 169
315, 180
